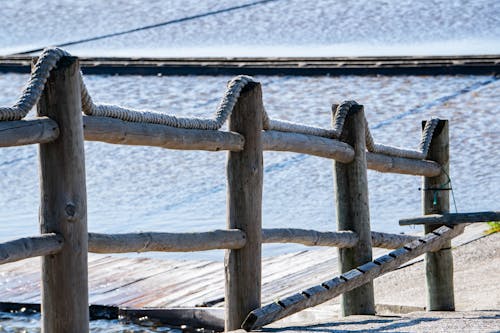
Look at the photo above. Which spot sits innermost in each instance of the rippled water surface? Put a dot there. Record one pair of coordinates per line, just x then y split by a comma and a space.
276, 28
30, 323
153, 189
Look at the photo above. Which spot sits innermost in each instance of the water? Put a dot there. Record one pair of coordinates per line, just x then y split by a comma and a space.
29, 322
278, 28
152, 189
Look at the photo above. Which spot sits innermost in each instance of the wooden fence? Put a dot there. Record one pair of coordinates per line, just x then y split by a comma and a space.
60, 130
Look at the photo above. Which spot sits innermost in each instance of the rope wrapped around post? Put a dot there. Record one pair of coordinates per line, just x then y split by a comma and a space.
50, 56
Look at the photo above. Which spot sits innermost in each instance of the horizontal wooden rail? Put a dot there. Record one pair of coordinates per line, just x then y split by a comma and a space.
29, 247
452, 218
310, 237
166, 242
117, 131
307, 144
349, 280
29, 131
407, 166
340, 239
231, 239
390, 241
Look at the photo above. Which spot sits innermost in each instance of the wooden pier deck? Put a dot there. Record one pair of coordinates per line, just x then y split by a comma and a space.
136, 283
150, 282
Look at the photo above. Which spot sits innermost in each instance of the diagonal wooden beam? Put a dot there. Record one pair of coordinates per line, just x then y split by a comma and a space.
352, 279
452, 218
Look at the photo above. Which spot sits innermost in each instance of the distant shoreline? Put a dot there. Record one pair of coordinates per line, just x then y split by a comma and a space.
303, 66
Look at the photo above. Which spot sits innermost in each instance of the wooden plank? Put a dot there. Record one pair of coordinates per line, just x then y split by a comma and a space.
244, 197
309, 237
346, 282
436, 200
452, 218
63, 207
181, 284
406, 166
352, 205
117, 131
340, 239
28, 247
166, 242
307, 144
28, 131
390, 241
166, 279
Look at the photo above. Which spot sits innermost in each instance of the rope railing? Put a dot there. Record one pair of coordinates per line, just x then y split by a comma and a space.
50, 56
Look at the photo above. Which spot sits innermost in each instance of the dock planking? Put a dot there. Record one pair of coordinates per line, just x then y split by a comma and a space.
152, 282
140, 282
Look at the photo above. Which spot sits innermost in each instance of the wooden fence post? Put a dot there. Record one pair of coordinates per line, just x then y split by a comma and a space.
436, 200
244, 176
63, 207
353, 213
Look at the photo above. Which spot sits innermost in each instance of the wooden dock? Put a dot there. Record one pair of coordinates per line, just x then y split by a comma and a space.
164, 283
434, 65
134, 285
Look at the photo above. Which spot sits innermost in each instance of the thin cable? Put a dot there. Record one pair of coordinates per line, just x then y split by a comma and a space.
152, 26
451, 189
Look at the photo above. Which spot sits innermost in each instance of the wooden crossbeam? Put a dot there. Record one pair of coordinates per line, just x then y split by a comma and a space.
28, 131
352, 279
452, 218
166, 242
29, 247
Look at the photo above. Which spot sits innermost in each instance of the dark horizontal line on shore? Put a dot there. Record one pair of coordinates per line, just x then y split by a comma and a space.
436, 65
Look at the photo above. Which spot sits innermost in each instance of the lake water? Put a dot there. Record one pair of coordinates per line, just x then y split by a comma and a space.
152, 189
276, 28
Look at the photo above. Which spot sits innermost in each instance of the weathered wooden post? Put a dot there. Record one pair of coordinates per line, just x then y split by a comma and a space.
244, 176
436, 200
353, 213
63, 207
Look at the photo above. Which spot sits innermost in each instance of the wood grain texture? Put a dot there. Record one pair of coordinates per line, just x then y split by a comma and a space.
309, 237
390, 241
436, 200
63, 207
406, 166
29, 247
452, 218
340, 239
166, 242
352, 206
307, 144
244, 198
349, 280
28, 131
117, 131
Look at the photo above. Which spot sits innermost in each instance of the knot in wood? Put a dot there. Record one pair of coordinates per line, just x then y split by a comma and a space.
70, 211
